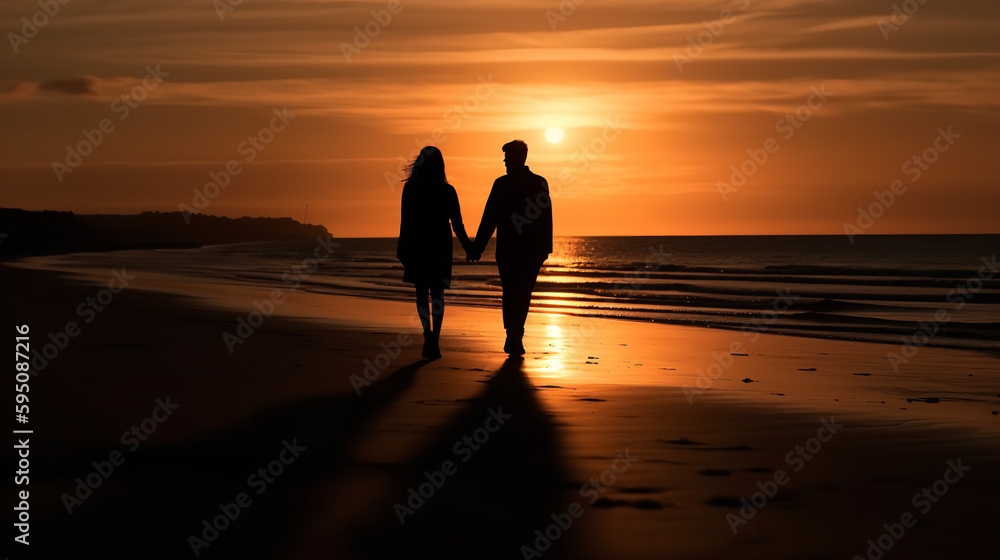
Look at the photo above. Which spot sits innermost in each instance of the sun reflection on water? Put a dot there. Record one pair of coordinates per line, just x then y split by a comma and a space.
555, 346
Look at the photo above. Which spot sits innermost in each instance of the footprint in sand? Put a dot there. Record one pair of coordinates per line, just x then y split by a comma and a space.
682, 441
723, 501
637, 504
641, 490
685, 441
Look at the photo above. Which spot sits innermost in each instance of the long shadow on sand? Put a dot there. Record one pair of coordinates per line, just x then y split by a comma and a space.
150, 506
162, 496
504, 487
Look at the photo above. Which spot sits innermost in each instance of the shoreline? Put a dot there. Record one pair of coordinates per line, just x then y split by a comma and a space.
785, 316
713, 361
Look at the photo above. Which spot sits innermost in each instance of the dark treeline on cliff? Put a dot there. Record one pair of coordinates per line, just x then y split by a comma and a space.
24, 232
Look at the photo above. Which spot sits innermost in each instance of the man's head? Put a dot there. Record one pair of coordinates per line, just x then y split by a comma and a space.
515, 153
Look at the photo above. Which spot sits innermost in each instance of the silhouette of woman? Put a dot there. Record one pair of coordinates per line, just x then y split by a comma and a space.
425, 245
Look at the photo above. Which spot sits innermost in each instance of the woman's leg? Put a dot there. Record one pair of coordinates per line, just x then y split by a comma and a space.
423, 310
437, 307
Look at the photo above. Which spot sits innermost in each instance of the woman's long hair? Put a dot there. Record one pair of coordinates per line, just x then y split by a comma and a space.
429, 166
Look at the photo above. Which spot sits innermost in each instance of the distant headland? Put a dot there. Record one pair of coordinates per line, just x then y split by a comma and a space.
25, 232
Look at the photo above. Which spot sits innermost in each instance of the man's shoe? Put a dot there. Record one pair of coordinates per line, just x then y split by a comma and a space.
514, 346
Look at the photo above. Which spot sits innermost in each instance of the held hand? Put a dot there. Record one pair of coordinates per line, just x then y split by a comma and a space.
472, 256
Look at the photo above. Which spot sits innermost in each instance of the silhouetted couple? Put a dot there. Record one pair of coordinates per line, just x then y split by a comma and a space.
518, 209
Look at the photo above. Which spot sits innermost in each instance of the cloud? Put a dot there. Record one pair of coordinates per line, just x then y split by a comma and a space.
419, 78
75, 86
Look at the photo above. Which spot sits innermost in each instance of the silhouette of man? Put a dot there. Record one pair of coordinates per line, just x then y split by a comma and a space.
520, 210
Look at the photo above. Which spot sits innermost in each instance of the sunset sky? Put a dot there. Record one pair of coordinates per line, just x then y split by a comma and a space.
653, 125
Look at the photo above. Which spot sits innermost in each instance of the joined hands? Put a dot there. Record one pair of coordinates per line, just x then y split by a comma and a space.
471, 255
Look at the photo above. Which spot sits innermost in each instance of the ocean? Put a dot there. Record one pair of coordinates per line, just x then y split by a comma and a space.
935, 290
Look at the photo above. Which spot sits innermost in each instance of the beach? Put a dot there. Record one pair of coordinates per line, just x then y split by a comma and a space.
753, 242
611, 439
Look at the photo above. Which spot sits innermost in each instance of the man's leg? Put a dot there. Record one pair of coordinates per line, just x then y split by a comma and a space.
506, 290
528, 275
518, 281
509, 284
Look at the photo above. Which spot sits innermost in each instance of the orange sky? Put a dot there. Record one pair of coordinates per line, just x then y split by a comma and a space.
652, 124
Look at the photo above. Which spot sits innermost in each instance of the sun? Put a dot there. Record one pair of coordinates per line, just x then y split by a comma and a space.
554, 135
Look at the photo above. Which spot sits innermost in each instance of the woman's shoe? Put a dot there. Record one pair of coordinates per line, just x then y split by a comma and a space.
432, 350
426, 352
435, 348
